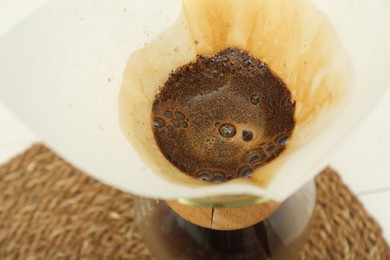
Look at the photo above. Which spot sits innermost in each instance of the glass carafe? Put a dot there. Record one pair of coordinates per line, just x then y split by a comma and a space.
172, 235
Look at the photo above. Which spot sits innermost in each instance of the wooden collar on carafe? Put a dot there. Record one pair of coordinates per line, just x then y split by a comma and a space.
221, 218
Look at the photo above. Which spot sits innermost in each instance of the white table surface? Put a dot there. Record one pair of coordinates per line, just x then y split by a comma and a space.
363, 160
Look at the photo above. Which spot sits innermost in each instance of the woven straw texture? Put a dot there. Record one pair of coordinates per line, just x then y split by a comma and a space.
50, 210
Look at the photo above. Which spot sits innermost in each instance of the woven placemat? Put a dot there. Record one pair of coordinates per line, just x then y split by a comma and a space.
50, 210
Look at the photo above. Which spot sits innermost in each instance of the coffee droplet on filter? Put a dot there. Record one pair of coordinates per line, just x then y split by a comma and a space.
222, 95
204, 175
158, 122
245, 172
246, 63
179, 115
255, 154
247, 135
270, 148
255, 99
257, 165
168, 114
229, 176
227, 130
218, 177
282, 140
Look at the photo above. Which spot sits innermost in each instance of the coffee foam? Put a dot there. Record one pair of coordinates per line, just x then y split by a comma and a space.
213, 111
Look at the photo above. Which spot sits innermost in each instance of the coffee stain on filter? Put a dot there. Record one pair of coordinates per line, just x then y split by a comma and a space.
295, 39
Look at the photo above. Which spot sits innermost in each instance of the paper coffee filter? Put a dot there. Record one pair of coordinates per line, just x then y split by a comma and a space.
65, 67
